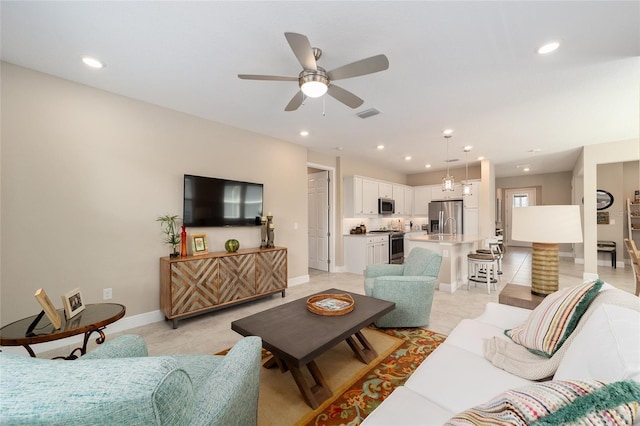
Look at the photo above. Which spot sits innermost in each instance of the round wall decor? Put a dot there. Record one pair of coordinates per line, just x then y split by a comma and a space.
604, 199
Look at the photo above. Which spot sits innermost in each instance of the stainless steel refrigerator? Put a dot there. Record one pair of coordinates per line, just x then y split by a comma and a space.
445, 216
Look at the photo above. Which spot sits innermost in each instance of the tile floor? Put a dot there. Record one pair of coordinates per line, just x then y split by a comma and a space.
212, 332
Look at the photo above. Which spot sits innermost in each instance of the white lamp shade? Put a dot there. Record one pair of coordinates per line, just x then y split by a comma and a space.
547, 224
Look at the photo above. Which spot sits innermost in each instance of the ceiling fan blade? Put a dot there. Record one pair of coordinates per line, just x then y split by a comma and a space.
266, 77
302, 49
344, 96
362, 67
295, 102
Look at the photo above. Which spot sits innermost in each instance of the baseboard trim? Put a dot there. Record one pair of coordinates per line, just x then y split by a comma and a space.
121, 326
298, 280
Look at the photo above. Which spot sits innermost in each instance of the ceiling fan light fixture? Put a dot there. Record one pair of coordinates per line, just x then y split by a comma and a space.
314, 83
314, 89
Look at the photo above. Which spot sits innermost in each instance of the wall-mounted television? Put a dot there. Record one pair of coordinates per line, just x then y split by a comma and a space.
221, 202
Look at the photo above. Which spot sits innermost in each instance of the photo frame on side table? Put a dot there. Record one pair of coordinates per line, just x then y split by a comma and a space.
198, 244
73, 303
48, 308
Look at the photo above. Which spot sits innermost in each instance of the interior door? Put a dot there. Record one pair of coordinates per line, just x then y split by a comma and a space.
318, 199
515, 198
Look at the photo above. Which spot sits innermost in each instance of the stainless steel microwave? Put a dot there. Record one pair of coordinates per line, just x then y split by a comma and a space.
386, 206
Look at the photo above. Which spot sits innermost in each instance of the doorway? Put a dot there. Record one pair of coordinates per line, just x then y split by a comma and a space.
515, 198
320, 213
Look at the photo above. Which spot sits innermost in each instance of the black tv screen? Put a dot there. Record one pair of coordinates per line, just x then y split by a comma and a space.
221, 202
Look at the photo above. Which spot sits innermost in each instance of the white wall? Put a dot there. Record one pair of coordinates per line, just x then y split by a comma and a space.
85, 173
592, 156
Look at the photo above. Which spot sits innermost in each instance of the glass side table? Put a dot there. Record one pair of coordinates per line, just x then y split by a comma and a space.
94, 318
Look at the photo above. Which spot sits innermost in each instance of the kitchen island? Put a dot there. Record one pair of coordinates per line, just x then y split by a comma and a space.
454, 250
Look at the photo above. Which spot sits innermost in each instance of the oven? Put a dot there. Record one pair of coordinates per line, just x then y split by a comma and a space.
396, 248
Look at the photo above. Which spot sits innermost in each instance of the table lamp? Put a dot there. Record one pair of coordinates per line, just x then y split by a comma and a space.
546, 227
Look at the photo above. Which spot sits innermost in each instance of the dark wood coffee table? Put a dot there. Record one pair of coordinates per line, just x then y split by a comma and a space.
296, 337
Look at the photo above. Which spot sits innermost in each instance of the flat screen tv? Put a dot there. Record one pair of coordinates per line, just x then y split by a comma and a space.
221, 202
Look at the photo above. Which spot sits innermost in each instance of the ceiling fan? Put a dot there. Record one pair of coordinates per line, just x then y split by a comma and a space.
315, 81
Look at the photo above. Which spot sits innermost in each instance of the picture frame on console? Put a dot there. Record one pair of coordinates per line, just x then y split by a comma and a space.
73, 303
199, 244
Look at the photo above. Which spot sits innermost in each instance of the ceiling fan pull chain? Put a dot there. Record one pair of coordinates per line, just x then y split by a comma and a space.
323, 107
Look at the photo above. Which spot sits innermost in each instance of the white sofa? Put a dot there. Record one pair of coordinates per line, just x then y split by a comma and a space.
456, 376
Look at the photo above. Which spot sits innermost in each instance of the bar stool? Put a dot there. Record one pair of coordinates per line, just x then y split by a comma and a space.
498, 246
483, 267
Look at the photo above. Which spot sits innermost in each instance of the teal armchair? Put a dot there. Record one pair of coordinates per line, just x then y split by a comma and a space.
410, 286
118, 384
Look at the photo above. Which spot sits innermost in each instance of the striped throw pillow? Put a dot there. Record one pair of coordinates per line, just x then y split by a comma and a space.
558, 403
553, 320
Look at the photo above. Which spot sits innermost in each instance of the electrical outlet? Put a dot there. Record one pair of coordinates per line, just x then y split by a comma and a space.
445, 253
107, 294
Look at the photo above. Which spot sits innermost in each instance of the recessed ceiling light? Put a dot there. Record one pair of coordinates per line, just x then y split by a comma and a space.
467, 148
480, 158
548, 48
407, 158
380, 147
92, 62
447, 131
427, 166
526, 169
304, 133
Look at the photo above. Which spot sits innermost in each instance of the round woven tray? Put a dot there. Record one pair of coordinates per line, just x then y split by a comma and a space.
312, 304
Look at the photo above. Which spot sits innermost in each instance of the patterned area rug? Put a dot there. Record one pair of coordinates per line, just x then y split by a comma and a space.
371, 388
358, 388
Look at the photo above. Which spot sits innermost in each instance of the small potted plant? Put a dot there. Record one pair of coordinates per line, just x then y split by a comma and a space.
169, 226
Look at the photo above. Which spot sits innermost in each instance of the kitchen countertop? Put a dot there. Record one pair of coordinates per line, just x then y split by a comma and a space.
368, 234
444, 238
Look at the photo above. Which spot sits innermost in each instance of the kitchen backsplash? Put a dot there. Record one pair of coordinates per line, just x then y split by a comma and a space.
376, 223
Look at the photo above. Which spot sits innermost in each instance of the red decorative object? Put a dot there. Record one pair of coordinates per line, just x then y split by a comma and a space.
183, 242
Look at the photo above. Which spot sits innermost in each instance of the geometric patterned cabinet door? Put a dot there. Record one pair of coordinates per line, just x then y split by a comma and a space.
194, 285
198, 284
237, 277
271, 270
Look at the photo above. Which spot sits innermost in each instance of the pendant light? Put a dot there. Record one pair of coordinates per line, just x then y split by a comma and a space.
466, 186
448, 182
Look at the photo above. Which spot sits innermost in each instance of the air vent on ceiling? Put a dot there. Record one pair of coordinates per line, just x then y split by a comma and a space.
368, 113
453, 160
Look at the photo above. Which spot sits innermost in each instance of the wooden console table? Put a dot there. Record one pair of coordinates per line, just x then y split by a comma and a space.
520, 296
195, 285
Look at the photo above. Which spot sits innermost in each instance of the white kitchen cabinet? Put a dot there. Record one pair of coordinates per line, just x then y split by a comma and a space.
385, 190
369, 197
438, 194
470, 221
360, 197
408, 201
421, 199
398, 197
380, 249
363, 250
403, 196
